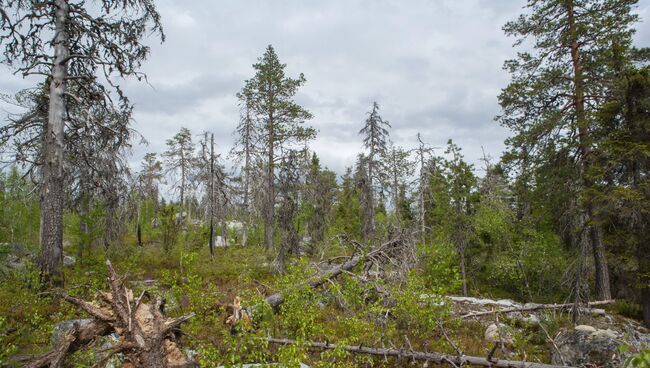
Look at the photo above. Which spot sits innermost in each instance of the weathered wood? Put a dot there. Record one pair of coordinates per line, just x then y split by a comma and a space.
73, 340
147, 337
408, 354
275, 300
534, 307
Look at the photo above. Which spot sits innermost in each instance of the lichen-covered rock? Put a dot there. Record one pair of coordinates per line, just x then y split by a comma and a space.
498, 334
588, 347
69, 261
62, 327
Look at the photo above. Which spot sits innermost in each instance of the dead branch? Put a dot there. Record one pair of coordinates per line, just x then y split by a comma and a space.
383, 252
432, 357
534, 307
147, 337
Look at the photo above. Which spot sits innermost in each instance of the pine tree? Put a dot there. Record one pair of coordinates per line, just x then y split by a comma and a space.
556, 88
279, 120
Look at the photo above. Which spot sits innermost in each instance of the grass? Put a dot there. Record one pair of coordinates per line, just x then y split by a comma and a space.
192, 281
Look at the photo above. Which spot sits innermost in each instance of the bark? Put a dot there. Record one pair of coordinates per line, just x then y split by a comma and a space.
463, 274
75, 339
269, 219
600, 261
603, 290
139, 234
51, 193
211, 197
412, 355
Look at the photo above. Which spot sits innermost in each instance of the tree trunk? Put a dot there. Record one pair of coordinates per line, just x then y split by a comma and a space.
600, 261
51, 193
463, 274
603, 291
269, 219
139, 234
211, 197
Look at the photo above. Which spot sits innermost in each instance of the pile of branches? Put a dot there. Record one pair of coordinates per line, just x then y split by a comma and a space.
146, 337
393, 258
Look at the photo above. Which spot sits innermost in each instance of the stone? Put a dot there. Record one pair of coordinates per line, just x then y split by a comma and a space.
597, 312
496, 334
585, 328
604, 334
587, 347
69, 261
532, 319
61, 328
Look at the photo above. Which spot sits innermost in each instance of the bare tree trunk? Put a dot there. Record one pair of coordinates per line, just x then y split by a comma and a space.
211, 196
269, 219
51, 193
600, 262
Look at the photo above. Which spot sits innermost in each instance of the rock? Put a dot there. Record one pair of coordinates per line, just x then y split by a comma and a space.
62, 327
588, 346
585, 328
604, 334
597, 312
69, 261
14, 257
496, 334
532, 319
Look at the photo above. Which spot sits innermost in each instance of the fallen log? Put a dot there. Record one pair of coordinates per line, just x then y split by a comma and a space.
408, 354
275, 300
534, 307
146, 337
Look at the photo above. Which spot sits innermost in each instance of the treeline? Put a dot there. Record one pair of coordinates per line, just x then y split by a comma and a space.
563, 214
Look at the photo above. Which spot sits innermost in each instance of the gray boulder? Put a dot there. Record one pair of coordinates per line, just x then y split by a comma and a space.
591, 347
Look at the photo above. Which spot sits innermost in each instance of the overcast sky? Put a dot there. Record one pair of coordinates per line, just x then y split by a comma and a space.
434, 66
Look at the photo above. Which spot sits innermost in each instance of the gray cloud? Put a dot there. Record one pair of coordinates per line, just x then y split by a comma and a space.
435, 67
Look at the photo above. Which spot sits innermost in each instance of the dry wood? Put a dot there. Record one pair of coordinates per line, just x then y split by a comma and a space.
409, 354
383, 251
147, 337
534, 308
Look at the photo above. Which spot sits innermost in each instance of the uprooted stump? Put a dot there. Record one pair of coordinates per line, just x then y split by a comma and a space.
146, 337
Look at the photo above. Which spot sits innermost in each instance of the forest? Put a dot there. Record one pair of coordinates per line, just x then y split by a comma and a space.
261, 255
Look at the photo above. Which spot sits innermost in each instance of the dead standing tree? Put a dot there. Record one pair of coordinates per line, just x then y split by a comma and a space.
69, 43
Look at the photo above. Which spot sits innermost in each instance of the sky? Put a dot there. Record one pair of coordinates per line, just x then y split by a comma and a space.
434, 67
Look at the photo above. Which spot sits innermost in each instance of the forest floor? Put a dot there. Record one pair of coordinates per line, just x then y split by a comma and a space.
342, 311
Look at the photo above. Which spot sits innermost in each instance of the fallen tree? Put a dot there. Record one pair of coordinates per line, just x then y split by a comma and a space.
534, 307
146, 337
409, 354
384, 253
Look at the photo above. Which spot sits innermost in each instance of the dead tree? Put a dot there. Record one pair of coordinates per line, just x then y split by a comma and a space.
412, 355
387, 252
71, 43
146, 337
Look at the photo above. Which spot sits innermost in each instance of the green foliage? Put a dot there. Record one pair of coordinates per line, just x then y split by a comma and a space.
639, 360
299, 311
169, 226
6, 347
19, 209
420, 308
